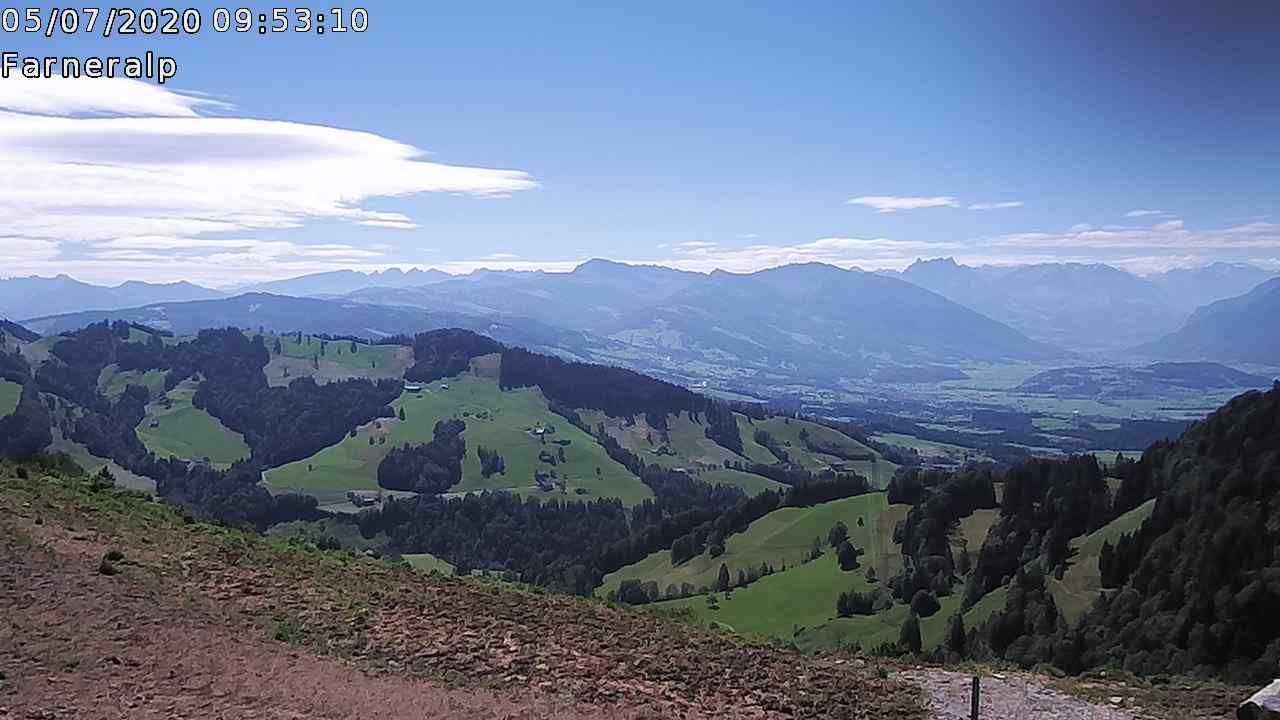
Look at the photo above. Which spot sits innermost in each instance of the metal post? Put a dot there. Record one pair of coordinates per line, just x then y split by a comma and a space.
976, 693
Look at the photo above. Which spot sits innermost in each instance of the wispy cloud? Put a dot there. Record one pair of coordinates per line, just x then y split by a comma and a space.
841, 251
88, 164
1144, 213
1170, 235
894, 203
1004, 205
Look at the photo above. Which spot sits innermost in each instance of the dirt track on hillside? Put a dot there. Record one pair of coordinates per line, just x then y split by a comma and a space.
187, 628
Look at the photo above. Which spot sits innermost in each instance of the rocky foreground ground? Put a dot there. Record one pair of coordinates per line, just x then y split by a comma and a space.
112, 607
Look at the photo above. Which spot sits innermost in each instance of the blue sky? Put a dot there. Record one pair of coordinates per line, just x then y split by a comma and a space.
735, 135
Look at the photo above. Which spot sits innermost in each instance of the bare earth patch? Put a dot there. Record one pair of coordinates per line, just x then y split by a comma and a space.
202, 622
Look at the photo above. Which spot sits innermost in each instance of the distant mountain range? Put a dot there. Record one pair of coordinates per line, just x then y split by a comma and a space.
1088, 308
26, 297
809, 324
1240, 329
801, 323
279, 313
342, 282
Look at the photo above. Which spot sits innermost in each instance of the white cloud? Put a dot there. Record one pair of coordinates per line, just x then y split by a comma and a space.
1144, 213
1004, 205
841, 251
95, 168
1172, 235
696, 244
86, 96
501, 256
892, 203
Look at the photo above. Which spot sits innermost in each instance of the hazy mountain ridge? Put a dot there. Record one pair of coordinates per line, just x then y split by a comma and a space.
1081, 307
342, 282
27, 297
279, 313
1240, 329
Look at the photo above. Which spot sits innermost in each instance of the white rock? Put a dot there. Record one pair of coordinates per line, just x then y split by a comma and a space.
1264, 705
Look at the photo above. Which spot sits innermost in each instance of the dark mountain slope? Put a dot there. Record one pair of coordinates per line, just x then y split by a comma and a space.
1240, 329
17, 332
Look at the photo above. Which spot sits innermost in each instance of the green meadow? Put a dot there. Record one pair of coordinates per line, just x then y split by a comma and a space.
783, 537
173, 427
786, 432
112, 381
518, 424
683, 446
92, 463
10, 393
1075, 593
336, 361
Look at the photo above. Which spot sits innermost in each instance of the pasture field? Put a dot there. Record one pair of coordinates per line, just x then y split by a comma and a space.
787, 432
427, 563
972, 532
92, 463
933, 450
112, 381
1082, 583
683, 446
752, 450
783, 537
338, 362
799, 605
313, 531
173, 427
10, 393
515, 423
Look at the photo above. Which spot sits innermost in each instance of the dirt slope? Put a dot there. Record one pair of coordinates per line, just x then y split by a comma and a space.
196, 621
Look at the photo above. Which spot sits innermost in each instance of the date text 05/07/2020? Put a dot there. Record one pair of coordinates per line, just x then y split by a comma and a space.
148, 66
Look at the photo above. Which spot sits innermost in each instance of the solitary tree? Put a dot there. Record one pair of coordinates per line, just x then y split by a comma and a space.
722, 581
848, 555
401, 414
956, 634
909, 638
837, 534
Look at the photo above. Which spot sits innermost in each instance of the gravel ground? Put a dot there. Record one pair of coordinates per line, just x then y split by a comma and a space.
1005, 696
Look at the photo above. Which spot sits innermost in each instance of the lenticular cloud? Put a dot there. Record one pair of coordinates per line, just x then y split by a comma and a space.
102, 161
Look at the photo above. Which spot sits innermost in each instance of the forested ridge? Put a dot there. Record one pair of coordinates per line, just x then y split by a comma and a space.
1194, 590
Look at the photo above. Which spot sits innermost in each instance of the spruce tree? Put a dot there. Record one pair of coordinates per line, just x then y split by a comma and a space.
909, 638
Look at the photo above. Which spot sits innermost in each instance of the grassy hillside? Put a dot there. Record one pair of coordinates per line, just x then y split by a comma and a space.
304, 359
1080, 585
174, 427
505, 421
932, 450
783, 537
276, 626
683, 446
92, 464
10, 393
787, 432
112, 381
